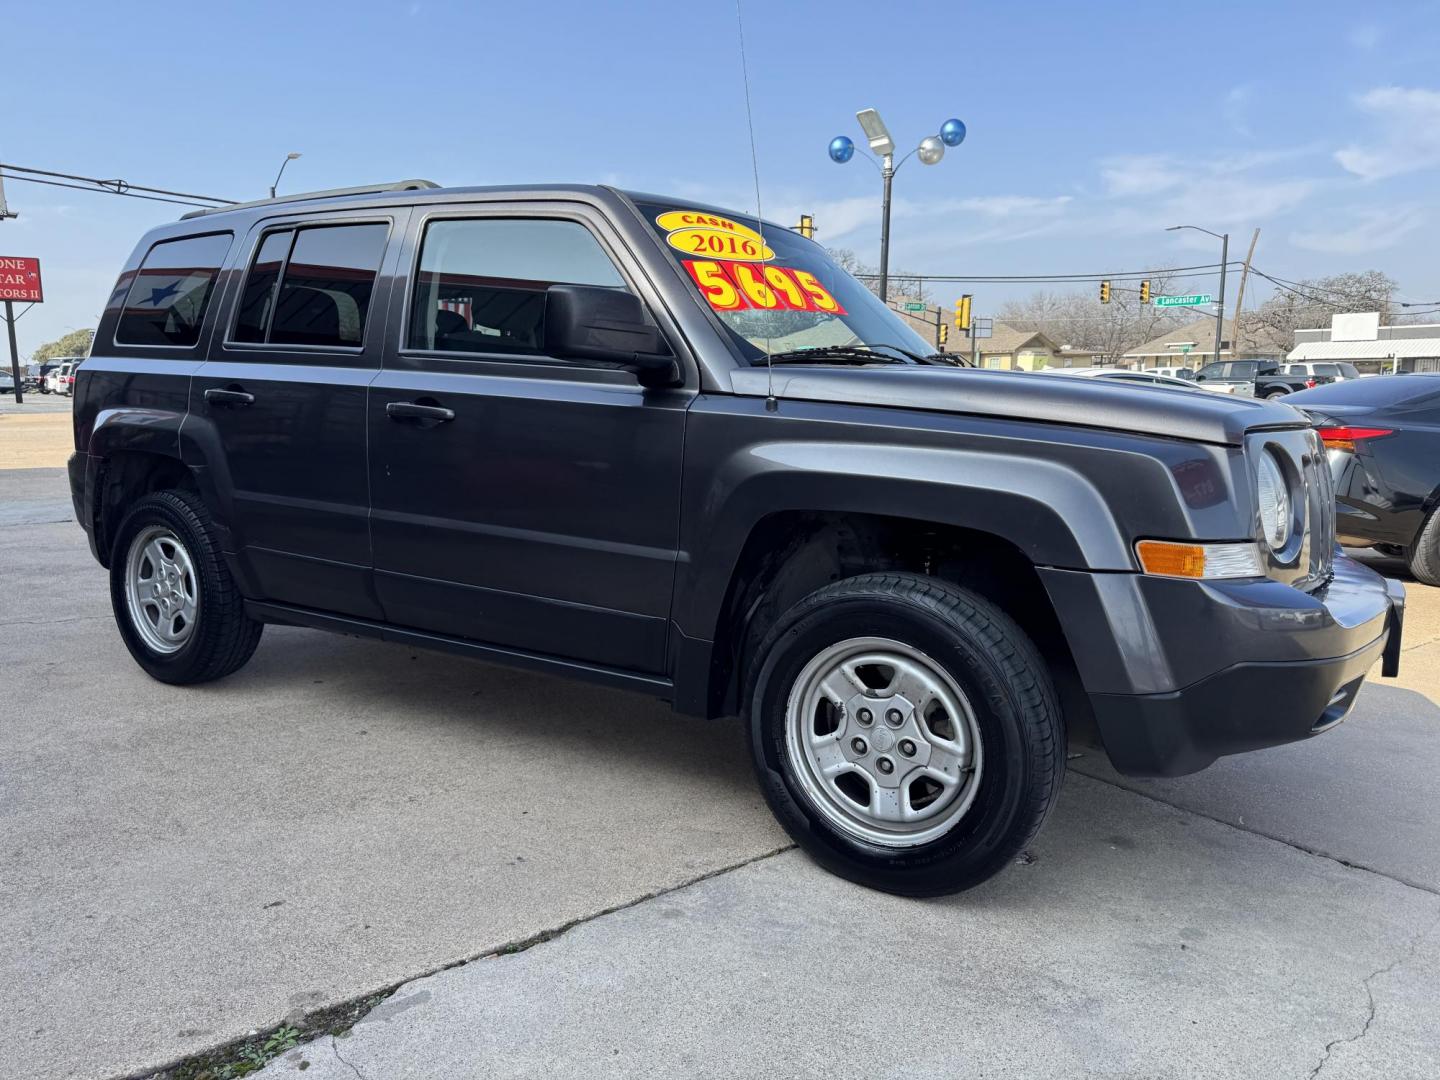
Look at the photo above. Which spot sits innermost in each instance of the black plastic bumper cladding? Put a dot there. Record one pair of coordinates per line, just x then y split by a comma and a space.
1245, 707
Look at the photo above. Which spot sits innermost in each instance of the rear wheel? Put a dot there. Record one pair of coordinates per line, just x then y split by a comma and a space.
1425, 555
905, 733
176, 605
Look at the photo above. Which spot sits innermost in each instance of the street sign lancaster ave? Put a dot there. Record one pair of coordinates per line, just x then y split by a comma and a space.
1181, 301
20, 280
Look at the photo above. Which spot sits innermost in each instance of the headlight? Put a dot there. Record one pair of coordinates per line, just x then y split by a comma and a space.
1274, 498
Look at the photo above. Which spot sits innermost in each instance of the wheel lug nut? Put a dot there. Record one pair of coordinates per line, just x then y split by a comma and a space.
864, 716
859, 746
885, 765
907, 747
893, 718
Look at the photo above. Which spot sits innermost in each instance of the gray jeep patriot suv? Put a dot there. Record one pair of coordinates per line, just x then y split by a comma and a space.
675, 450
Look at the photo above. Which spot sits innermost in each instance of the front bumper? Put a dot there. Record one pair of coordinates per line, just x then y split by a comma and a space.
1197, 670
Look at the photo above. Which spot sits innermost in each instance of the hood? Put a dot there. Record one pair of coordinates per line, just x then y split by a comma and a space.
1200, 416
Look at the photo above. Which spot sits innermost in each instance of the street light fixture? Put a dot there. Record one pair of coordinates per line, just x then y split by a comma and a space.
930, 151
1224, 239
288, 158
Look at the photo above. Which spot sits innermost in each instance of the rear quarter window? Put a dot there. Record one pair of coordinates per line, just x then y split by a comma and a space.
167, 299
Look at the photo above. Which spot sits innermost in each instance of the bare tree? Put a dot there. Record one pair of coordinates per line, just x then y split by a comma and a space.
1310, 303
904, 283
1079, 319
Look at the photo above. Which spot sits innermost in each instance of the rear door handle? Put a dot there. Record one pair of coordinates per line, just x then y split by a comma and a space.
232, 398
409, 410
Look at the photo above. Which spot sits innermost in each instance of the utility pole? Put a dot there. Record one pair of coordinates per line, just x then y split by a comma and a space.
6, 212
14, 352
1240, 294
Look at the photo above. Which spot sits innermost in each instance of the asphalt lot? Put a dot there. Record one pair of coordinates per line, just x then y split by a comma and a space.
181, 867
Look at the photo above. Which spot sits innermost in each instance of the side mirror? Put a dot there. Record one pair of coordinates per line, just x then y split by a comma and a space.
1201, 378
588, 322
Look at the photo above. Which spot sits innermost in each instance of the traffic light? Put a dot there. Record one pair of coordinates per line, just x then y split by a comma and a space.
1104, 292
806, 228
1144, 292
944, 334
962, 313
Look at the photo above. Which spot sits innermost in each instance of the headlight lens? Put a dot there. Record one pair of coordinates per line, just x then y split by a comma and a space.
1274, 498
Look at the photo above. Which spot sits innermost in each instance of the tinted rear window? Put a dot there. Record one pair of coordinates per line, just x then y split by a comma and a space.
166, 302
312, 286
1377, 392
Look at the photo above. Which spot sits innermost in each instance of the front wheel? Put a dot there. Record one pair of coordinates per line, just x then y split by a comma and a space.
176, 605
905, 733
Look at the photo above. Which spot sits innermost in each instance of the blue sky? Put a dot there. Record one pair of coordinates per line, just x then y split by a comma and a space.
1092, 125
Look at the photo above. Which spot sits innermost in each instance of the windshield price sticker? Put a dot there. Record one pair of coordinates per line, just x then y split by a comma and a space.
713, 236
736, 286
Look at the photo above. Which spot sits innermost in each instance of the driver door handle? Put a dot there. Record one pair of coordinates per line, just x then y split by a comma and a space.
409, 410
231, 398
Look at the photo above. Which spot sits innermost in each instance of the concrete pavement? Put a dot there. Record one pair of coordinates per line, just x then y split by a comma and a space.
181, 867
1140, 942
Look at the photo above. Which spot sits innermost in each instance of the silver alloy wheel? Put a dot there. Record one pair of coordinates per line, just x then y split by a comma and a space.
162, 590
883, 741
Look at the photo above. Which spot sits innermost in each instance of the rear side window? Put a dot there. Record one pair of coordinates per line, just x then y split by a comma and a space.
481, 282
1327, 369
169, 294
312, 286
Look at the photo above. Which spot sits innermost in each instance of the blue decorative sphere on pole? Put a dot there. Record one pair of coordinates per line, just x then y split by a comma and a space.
842, 149
952, 132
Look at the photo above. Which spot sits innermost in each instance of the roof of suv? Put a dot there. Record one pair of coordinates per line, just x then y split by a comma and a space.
432, 191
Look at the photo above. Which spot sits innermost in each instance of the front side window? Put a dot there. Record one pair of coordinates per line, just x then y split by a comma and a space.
312, 286
480, 286
166, 302
1212, 371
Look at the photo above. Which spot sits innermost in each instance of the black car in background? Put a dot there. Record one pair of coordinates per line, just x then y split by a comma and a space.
1383, 440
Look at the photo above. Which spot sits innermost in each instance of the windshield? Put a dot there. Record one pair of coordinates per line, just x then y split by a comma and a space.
784, 295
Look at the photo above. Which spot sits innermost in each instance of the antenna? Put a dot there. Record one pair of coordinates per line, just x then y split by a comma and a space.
770, 403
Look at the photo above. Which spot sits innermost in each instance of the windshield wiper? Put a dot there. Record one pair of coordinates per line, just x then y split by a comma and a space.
842, 354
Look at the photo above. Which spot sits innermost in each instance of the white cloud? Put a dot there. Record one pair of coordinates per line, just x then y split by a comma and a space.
1373, 230
1005, 206
1408, 136
1141, 174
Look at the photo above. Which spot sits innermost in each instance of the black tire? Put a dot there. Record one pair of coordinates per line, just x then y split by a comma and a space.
1277, 393
223, 637
1021, 730
1425, 553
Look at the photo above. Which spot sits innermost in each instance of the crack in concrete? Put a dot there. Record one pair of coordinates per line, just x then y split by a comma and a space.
1413, 948
335, 1049
506, 949
1421, 886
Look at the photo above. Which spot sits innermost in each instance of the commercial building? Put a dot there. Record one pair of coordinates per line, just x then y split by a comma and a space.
1359, 339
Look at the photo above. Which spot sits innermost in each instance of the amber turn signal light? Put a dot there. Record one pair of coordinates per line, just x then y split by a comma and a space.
1168, 558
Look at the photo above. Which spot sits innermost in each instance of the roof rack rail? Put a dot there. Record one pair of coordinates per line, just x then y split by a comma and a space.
363, 189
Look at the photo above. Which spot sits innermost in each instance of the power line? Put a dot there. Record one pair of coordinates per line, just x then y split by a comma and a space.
127, 194
1204, 270
109, 187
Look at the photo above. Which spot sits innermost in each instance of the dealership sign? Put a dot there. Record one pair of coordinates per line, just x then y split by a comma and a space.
20, 279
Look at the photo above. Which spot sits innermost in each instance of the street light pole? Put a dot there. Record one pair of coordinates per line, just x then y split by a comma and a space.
1224, 261
930, 151
1220, 311
288, 158
887, 172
